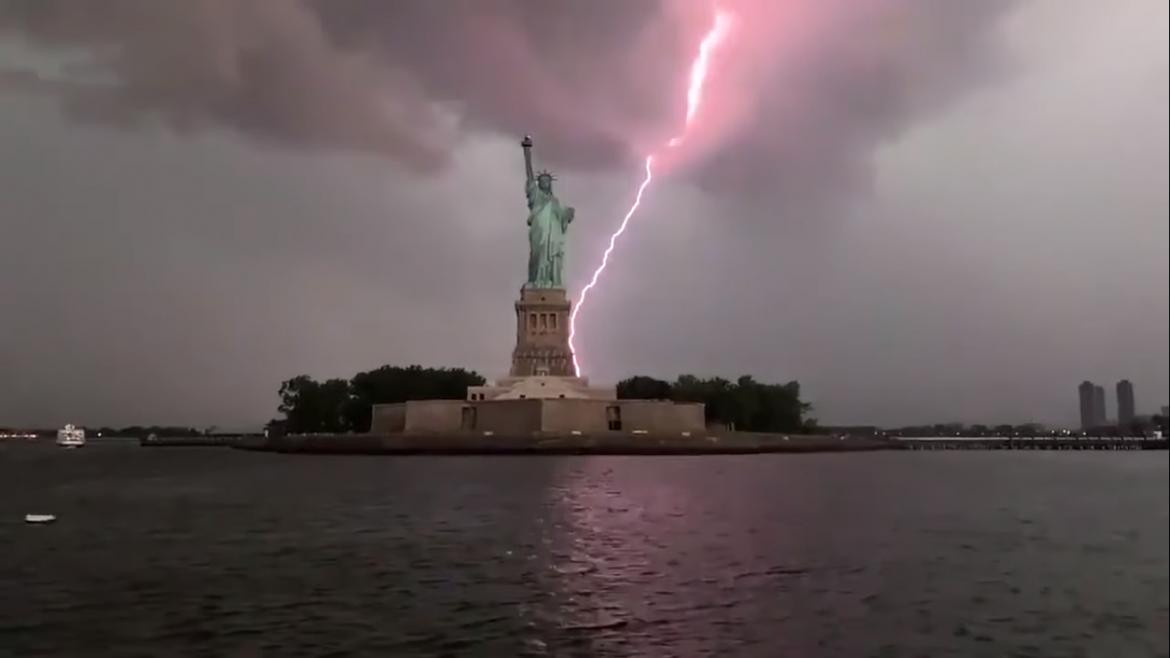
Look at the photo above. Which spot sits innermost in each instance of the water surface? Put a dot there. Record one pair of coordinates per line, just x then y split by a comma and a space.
224, 553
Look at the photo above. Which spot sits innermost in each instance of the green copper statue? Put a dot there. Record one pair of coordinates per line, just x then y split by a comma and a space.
548, 221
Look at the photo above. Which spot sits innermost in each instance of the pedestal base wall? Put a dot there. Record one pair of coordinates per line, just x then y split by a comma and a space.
537, 415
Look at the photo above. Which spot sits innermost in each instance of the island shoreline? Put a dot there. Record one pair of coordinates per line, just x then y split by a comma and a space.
615, 443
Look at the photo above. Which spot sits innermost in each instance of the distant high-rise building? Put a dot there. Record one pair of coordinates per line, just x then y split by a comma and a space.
1088, 415
1099, 413
1124, 403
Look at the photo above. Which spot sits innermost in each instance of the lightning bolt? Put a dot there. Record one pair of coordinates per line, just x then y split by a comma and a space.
698, 77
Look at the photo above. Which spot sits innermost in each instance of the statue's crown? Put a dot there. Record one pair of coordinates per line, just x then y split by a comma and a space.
544, 173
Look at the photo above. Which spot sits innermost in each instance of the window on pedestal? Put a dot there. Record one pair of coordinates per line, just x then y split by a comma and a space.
552, 321
543, 321
613, 416
532, 321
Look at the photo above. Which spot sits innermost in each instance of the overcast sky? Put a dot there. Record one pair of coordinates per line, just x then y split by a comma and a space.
924, 211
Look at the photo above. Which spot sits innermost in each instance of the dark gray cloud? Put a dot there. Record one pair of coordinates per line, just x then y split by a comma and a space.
267, 70
597, 82
871, 206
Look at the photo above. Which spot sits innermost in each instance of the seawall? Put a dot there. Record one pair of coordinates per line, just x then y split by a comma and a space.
604, 443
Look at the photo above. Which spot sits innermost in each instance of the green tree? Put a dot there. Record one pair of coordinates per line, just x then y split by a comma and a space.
390, 384
746, 404
339, 405
312, 406
641, 387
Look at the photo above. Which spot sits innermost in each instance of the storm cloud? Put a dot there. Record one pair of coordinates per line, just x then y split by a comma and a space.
802, 91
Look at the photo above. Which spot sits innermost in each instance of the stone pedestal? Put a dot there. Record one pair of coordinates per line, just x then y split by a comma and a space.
542, 334
541, 394
541, 387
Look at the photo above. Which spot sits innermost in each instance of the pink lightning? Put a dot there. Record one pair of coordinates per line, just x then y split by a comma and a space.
703, 63
699, 69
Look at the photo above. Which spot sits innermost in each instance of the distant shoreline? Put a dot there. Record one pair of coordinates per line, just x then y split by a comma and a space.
627, 443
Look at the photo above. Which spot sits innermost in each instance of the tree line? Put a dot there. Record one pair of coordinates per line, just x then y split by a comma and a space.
745, 405
345, 405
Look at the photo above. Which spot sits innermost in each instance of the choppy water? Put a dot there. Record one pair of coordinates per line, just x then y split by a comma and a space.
162, 552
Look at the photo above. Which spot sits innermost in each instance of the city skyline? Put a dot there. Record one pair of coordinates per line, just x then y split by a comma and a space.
1093, 405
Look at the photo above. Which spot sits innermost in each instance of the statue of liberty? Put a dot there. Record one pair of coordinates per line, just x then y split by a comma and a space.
548, 222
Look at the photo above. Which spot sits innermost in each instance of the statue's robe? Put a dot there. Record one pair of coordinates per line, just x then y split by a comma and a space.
548, 221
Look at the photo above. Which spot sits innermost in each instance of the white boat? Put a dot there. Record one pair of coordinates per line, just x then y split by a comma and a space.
39, 518
70, 437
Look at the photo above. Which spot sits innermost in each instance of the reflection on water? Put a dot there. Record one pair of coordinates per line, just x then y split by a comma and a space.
159, 551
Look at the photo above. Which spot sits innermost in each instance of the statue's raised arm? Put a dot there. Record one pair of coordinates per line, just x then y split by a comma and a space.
526, 144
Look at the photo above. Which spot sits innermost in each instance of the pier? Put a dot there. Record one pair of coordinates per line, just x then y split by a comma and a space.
1033, 443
